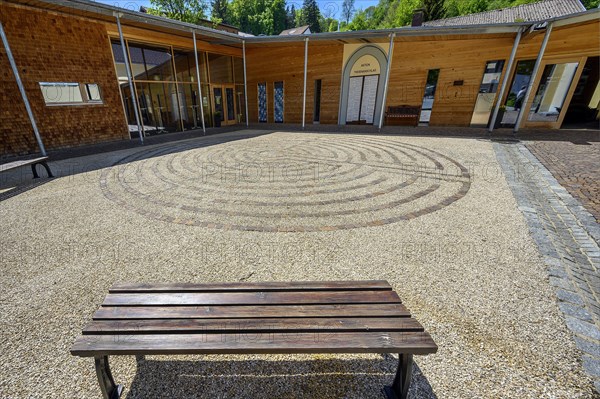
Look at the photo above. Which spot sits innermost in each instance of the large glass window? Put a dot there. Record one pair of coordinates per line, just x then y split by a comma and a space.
185, 67
221, 68
238, 70
552, 91
487, 93
518, 88
159, 64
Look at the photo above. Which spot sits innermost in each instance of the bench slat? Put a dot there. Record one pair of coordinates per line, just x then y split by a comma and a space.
173, 344
250, 298
251, 325
257, 311
371, 285
17, 164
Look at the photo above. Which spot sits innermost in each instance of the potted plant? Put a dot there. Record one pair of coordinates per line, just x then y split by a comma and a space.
217, 116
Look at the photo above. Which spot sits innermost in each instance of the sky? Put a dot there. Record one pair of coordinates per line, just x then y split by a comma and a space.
328, 7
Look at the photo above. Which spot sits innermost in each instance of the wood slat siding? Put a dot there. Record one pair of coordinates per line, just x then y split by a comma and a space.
286, 63
236, 318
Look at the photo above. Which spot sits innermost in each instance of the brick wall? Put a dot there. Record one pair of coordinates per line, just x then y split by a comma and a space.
49, 47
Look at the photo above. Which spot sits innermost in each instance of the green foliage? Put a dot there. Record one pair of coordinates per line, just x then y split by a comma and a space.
310, 15
434, 9
590, 3
192, 11
347, 10
219, 11
257, 17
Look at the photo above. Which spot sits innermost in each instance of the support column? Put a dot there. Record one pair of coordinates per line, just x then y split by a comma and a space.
198, 79
245, 81
304, 94
507, 72
387, 79
536, 68
15, 70
130, 79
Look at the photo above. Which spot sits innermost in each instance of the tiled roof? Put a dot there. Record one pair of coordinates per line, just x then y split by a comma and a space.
527, 12
294, 31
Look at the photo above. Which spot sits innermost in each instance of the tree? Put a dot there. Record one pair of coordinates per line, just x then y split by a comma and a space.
347, 10
310, 15
193, 11
434, 9
219, 12
290, 18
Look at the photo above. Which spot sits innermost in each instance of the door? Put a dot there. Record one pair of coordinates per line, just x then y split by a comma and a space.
230, 111
362, 94
224, 103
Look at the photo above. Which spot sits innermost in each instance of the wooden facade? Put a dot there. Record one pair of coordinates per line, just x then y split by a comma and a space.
75, 46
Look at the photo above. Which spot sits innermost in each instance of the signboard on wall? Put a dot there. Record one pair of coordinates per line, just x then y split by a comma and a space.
365, 65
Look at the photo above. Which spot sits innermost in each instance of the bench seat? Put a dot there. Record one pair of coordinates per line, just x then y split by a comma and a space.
33, 162
253, 318
402, 115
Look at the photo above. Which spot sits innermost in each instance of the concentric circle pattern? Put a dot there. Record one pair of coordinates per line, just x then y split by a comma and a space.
286, 182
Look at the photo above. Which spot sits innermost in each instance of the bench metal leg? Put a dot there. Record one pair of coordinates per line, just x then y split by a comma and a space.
45, 165
109, 389
399, 388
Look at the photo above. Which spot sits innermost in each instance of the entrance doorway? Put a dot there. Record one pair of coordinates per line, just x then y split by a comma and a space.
362, 88
361, 99
224, 103
518, 87
583, 111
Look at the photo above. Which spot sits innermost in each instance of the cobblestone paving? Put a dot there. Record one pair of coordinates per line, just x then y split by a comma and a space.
564, 232
575, 166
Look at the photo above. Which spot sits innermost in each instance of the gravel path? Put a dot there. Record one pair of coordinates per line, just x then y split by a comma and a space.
433, 216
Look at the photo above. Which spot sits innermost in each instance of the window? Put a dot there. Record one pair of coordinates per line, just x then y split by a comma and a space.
92, 91
552, 91
67, 93
430, 86
278, 102
487, 93
262, 102
317, 107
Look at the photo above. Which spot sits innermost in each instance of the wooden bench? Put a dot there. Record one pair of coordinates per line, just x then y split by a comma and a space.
33, 162
403, 115
253, 318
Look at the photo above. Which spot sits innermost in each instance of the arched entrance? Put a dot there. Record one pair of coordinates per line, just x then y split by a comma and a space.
362, 86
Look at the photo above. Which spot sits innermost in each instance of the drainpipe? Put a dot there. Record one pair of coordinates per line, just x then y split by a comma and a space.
129, 78
511, 61
198, 79
536, 68
245, 81
22, 90
387, 79
304, 94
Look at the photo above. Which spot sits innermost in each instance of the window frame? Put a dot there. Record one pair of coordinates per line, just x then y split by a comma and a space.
83, 93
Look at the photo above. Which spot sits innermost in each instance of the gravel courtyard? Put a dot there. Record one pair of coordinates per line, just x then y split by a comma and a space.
433, 216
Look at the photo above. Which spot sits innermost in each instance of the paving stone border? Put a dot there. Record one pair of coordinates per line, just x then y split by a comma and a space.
567, 236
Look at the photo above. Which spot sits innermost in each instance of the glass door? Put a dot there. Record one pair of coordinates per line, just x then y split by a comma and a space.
230, 118
518, 88
218, 105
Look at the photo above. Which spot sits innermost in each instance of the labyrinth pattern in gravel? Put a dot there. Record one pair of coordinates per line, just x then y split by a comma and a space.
284, 182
